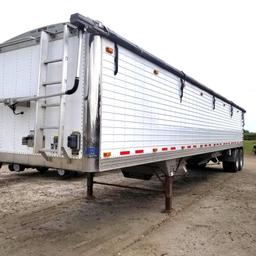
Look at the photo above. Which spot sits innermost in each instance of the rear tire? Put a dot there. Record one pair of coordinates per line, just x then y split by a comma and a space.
241, 159
16, 167
234, 165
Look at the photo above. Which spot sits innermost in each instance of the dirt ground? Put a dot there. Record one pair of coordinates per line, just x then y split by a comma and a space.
214, 214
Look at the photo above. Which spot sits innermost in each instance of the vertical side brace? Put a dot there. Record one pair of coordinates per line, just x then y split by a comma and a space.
116, 59
39, 119
63, 88
213, 102
243, 122
231, 110
182, 86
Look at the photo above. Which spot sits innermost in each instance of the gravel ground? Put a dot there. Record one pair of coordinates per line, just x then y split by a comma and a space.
214, 214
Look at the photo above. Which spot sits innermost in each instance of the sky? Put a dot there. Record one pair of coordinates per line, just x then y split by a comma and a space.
213, 41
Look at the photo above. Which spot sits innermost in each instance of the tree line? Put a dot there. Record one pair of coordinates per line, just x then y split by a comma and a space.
249, 135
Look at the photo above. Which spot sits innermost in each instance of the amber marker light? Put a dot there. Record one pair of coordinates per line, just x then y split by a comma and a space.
107, 154
109, 50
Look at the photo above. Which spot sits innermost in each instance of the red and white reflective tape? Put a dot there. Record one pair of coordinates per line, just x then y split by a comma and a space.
148, 150
124, 153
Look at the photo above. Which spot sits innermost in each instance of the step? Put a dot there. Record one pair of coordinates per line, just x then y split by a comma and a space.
49, 128
50, 105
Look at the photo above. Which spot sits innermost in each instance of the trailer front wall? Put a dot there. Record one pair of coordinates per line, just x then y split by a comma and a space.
19, 70
18, 78
142, 113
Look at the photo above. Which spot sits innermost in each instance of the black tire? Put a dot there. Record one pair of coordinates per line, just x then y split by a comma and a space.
1, 164
42, 169
226, 166
10, 167
241, 159
203, 165
234, 165
16, 167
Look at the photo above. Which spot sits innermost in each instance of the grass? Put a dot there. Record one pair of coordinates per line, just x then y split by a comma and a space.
248, 145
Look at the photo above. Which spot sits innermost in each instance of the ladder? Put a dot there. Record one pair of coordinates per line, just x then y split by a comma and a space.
41, 106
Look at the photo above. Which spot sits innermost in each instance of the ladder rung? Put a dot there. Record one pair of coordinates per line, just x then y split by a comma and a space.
50, 105
52, 61
49, 128
51, 83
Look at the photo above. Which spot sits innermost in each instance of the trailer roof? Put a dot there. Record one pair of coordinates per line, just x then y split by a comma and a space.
98, 28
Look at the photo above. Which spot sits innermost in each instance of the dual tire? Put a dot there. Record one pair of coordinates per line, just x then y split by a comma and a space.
16, 167
238, 162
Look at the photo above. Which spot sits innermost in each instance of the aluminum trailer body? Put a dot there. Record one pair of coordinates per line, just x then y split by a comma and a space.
77, 96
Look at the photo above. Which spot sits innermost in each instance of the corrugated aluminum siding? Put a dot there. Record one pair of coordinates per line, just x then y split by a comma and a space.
141, 110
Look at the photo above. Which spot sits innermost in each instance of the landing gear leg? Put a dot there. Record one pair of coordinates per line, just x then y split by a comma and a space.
168, 193
90, 185
169, 168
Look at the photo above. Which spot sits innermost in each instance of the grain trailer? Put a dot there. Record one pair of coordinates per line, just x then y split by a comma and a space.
77, 96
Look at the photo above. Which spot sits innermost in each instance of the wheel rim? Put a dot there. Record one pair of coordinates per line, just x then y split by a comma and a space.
16, 167
241, 160
237, 164
61, 172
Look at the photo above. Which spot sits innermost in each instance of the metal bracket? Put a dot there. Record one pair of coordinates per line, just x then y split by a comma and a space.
13, 108
171, 167
45, 156
65, 154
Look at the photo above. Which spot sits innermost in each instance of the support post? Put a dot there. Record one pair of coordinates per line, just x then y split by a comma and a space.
168, 193
169, 168
90, 185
